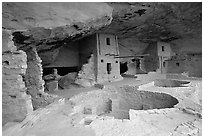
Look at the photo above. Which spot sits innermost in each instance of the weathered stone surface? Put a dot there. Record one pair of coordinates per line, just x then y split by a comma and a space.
66, 20
29, 15
34, 81
66, 81
33, 76
86, 76
72, 75
49, 77
34, 118
16, 104
51, 86
136, 24
48, 26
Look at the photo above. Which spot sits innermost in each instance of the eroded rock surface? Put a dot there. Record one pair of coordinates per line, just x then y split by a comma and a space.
16, 104
86, 76
40, 29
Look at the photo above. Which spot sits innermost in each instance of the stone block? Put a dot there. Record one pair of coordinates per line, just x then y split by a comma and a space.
65, 82
52, 86
71, 75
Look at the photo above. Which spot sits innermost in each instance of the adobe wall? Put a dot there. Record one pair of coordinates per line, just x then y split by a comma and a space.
16, 104
167, 49
102, 69
104, 58
174, 66
194, 66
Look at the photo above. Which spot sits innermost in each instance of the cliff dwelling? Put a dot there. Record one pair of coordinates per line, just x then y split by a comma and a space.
102, 69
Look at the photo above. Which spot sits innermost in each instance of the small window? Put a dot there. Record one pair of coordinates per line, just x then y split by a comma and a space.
162, 48
164, 63
101, 60
107, 41
109, 68
177, 64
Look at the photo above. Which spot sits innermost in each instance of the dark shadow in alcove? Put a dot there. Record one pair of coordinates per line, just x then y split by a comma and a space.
60, 70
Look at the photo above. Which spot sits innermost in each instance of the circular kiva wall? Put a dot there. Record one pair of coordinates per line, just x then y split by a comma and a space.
170, 83
128, 97
131, 98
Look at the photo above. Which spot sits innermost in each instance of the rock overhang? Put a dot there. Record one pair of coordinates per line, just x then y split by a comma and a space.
146, 22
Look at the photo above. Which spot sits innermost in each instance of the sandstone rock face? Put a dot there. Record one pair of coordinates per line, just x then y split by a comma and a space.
55, 21
23, 16
16, 104
48, 26
51, 25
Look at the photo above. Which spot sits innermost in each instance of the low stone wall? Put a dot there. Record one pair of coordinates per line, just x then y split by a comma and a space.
169, 83
131, 98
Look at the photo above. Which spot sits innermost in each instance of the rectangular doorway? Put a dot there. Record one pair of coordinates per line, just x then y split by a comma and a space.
109, 68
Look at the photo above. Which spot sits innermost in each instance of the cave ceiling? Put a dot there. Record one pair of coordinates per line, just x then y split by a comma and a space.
156, 21
144, 22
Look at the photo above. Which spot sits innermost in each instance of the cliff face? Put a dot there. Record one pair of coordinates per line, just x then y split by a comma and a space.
23, 16
45, 27
32, 29
144, 23
52, 25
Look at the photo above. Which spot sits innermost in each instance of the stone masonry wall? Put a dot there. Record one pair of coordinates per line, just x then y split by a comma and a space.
34, 81
16, 104
193, 65
86, 76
